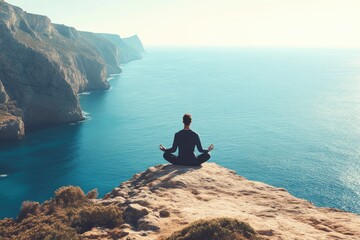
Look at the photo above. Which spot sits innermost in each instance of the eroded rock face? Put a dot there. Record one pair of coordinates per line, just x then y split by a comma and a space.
135, 43
43, 66
4, 98
166, 198
109, 51
127, 53
11, 124
42, 71
11, 128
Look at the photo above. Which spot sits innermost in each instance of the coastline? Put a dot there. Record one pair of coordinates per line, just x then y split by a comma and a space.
166, 198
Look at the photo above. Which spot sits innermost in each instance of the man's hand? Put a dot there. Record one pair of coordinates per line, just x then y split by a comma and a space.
162, 148
211, 147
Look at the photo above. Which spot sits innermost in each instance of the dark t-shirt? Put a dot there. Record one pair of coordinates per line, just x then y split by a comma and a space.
186, 140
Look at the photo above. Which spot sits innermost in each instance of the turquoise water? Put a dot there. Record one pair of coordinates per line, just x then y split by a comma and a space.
290, 118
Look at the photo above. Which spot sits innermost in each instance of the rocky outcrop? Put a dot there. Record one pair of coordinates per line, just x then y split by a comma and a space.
165, 198
11, 124
4, 98
109, 52
43, 66
42, 71
135, 43
127, 53
11, 127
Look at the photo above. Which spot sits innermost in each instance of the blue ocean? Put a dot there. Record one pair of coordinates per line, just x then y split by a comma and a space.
286, 117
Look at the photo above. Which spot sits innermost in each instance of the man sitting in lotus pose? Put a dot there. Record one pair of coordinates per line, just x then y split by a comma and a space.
186, 140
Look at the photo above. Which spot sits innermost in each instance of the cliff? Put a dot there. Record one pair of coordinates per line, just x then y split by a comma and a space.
109, 52
11, 124
135, 43
166, 198
43, 66
127, 52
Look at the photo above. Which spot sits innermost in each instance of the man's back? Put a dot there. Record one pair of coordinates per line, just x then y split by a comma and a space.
186, 140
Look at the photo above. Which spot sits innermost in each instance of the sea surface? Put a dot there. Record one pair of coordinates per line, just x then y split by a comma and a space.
286, 117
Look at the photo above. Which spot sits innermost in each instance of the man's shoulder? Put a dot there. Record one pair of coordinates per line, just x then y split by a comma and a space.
183, 131
179, 132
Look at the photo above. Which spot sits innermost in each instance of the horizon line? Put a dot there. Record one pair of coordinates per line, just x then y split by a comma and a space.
249, 46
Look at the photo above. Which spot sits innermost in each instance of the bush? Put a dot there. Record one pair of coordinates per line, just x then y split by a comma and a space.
69, 196
27, 208
92, 194
63, 217
97, 216
44, 231
216, 229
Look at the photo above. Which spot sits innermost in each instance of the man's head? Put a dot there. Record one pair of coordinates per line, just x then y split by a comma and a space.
187, 119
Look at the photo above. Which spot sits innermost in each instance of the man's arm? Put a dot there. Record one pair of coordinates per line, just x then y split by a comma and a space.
174, 146
199, 146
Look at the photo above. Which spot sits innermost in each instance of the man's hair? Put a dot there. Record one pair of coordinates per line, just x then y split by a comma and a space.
187, 119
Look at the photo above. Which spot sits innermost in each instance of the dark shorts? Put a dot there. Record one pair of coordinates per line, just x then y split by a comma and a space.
196, 161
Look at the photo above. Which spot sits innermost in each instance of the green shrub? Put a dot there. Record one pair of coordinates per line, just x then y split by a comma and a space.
27, 208
216, 229
97, 216
69, 196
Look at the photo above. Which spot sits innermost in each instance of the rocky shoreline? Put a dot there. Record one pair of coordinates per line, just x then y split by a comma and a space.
167, 198
43, 67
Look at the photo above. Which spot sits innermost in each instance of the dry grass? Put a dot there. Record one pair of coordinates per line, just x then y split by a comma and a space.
67, 215
27, 208
216, 229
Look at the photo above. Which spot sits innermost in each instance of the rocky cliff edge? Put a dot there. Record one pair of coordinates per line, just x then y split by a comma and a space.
43, 66
165, 198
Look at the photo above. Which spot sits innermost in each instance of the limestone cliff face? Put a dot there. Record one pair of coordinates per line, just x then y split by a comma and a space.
42, 70
127, 53
43, 66
109, 52
166, 198
135, 43
11, 125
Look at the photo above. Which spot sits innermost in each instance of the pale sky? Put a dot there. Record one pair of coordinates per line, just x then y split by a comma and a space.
264, 23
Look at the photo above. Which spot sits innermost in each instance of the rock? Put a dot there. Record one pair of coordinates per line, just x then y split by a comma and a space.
44, 66
124, 226
11, 128
133, 212
4, 98
220, 193
95, 233
42, 71
135, 43
164, 214
148, 224
108, 51
127, 53
11, 123
211, 191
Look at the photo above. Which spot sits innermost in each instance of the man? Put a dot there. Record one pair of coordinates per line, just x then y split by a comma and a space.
186, 140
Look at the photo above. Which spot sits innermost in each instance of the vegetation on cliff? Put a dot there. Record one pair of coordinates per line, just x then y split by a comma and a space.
216, 229
66, 216
206, 202
71, 213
